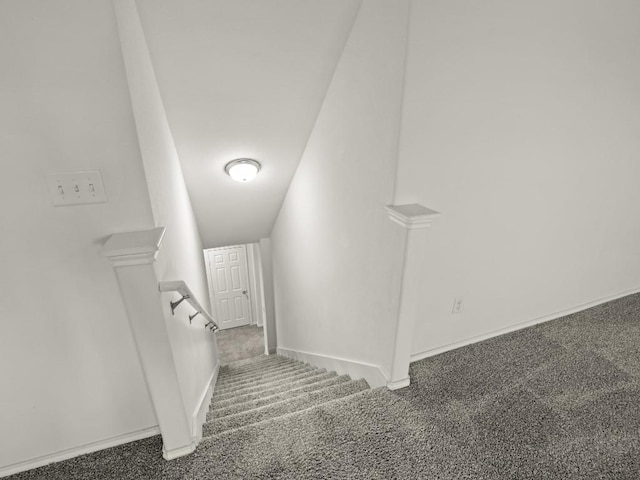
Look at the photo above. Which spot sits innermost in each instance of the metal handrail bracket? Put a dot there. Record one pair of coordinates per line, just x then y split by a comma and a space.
174, 305
182, 288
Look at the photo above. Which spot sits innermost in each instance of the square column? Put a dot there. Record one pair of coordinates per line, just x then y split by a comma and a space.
132, 255
415, 220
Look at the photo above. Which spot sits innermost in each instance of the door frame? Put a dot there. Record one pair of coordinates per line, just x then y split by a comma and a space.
261, 309
212, 299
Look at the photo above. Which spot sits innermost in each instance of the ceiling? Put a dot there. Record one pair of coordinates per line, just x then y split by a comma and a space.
242, 78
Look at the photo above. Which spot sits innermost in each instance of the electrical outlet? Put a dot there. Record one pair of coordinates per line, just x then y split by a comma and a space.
457, 305
76, 188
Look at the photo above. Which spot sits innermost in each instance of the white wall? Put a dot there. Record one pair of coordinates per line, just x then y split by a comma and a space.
336, 256
521, 126
194, 348
69, 372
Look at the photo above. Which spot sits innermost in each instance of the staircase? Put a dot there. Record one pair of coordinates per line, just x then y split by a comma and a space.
268, 387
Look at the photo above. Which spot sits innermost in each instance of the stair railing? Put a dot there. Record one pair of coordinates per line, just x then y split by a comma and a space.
186, 293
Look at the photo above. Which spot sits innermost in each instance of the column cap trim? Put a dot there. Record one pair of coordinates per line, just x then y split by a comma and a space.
411, 216
133, 248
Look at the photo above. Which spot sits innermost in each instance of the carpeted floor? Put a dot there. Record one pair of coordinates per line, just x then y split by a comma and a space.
557, 401
240, 343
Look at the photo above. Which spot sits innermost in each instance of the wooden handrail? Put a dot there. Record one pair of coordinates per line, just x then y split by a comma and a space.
182, 288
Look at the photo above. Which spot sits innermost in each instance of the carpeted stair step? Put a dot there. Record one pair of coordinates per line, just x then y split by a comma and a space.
250, 401
323, 381
267, 371
354, 404
302, 402
328, 441
261, 375
264, 379
272, 369
234, 368
225, 380
247, 362
230, 371
288, 383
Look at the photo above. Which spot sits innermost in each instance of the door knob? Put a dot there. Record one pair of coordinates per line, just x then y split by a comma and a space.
244, 292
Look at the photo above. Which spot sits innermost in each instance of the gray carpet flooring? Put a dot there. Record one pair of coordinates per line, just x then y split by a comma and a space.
559, 400
240, 343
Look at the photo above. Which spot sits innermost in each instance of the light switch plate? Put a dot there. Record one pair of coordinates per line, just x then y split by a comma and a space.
76, 188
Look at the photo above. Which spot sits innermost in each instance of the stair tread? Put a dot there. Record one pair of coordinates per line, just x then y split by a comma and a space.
284, 406
264, 378
236, 406
248, 362
234, 367
239, 367
269, 385
267, 388
240, 399
287, 417
272, 367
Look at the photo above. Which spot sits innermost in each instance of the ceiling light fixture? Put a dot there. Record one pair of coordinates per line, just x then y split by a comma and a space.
242, 169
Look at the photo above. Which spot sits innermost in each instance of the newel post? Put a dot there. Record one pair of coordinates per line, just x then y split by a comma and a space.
132, 255
415, 219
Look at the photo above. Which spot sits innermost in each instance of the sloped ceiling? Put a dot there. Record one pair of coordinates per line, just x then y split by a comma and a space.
242, 78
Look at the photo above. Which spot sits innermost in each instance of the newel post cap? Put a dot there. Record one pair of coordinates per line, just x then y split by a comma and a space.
412, 216
133, 248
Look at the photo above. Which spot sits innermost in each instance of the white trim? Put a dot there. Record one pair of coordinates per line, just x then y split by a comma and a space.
252, 272
261, 321
77, 451
373, 374
179, 452
199, 416
398, 384
207, 267
216, 372
133, 248
519, 326
412, 216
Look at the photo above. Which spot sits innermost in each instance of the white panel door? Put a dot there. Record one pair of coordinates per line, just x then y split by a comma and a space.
229, 283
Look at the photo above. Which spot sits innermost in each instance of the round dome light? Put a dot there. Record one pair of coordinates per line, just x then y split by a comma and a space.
242, 169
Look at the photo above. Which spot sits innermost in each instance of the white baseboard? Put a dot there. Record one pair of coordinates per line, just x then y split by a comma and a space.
77, 451
179, 452
199, 416
398, 384
373, 374
519, 326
